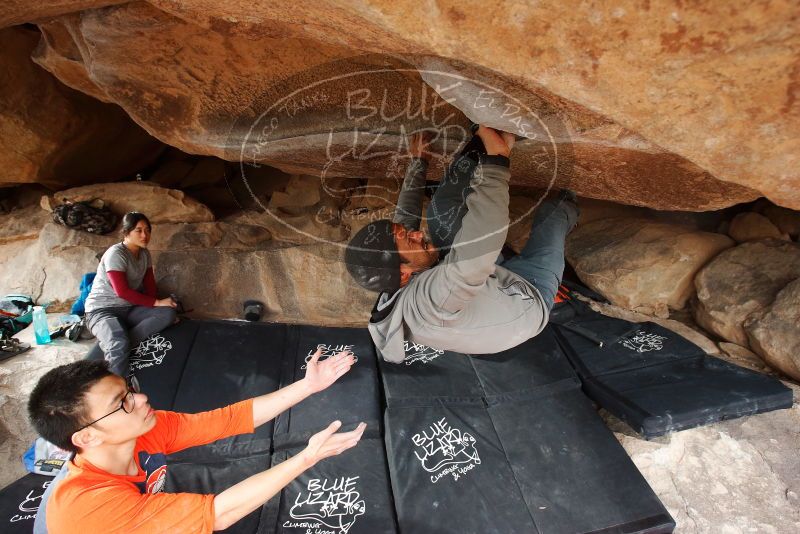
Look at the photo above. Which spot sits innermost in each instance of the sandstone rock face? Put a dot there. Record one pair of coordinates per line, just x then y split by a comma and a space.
18, 11
741, 281
18, 376
299, 284
744, 357
55, 135
161, 205
306, 211
734, 476
751, 226
646, 124
22, 224
212, 266
566, 145
774, 332
640, 264
787, 221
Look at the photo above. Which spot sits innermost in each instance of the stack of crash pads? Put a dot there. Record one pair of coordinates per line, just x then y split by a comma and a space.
654, 379
507, 443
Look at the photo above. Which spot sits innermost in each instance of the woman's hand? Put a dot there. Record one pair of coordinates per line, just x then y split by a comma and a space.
166, 302
320, 375
497, 143
328, 443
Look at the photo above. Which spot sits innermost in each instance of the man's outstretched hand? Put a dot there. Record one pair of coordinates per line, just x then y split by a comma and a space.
328, 443
321, 374
497, 143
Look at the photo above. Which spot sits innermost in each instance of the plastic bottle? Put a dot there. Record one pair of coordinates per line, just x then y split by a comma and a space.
40, 329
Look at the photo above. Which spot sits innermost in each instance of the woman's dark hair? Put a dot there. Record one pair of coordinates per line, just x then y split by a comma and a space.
131, 219
56, 407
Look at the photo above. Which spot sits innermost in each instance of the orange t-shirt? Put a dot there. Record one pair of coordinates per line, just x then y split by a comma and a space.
90, 500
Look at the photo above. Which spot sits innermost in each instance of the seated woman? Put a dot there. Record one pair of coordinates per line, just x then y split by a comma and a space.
122, 308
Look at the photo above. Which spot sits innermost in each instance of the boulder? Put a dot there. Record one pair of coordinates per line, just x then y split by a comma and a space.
307, 210
787, 221
774, 332
640, 264
592, 210
733, 476
745, 357
60, 136
18, 11
751, 226
49, 273
161, 205
22, 224
298, 284
618, 143
212, 266
18, 376
740, 281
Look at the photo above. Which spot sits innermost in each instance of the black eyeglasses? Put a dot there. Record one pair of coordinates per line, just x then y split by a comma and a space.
127, 404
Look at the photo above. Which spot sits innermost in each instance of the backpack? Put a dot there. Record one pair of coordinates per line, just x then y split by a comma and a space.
16, 312
84, 216
79, 307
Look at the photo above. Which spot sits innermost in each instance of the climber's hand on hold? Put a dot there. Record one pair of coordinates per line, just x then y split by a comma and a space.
497, 143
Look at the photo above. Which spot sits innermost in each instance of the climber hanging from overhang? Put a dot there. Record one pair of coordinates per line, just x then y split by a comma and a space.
455, 291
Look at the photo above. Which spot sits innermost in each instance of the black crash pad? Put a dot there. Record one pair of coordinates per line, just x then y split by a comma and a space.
230, 362
658, 399
19, 502
450, 472
656, 380
533, 367
572, 471
354, 398
345, 494
159, 362
429, 373
532, 439
215, 477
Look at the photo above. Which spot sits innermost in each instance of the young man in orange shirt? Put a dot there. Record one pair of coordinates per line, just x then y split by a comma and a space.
115, 481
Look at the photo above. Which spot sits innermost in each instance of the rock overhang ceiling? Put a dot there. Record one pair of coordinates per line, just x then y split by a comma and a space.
666, 105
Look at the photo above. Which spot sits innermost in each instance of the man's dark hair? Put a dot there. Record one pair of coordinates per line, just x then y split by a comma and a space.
131, 219
56, 406
372, 259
